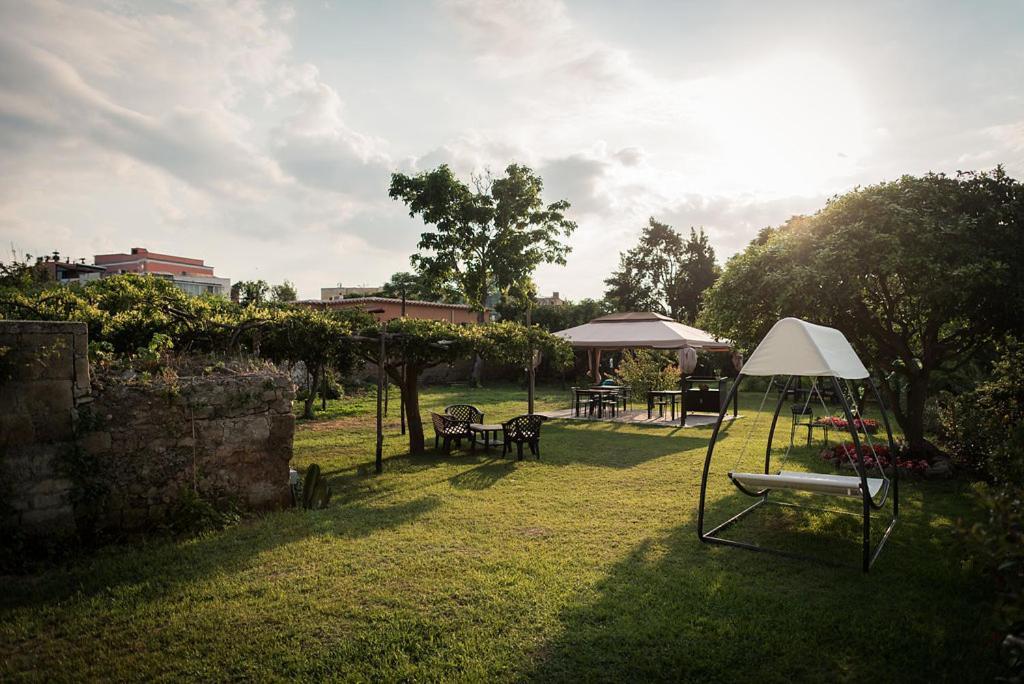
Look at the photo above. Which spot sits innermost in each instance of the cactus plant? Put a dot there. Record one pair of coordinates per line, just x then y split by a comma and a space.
316, 493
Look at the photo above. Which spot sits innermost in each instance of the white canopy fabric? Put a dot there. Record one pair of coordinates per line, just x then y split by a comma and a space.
637, 330
796, 347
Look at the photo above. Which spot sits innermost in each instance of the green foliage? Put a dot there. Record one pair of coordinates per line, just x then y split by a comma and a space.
316, 493
250, 292
416, 287
984, 429
645, 370
570, 314
284, 293
919, 274
192, 514
486, 239
996, 546
664, 273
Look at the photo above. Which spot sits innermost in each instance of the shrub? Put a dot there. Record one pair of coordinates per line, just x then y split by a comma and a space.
644, 370
996, 548
983, 429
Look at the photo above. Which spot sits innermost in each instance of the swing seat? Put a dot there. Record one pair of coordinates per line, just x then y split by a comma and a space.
819, 483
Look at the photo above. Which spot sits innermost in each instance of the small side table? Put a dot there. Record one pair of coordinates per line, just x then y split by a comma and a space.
486, 429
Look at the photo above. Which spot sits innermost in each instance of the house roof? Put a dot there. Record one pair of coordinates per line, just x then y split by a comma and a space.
796, 347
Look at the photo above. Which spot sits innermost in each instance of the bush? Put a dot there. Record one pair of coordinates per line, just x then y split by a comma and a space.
996, 548
644, 370
983, 429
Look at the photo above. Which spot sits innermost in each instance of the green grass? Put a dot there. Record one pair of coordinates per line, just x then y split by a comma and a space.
582, 566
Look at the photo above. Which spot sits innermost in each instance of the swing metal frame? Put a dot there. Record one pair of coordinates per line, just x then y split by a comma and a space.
869, 553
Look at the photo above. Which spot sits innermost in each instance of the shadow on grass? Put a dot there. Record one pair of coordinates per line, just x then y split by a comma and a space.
678, 609
162, 566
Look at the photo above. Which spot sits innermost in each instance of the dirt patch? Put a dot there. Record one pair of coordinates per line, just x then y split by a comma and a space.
338, 424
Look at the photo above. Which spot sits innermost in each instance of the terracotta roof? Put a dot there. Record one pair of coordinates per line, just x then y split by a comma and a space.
382, 300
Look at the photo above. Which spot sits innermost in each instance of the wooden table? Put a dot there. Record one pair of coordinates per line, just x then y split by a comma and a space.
486, 429
670, 394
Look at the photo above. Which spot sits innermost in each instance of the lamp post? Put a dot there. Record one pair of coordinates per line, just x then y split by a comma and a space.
401, 390
379, 463
531, 369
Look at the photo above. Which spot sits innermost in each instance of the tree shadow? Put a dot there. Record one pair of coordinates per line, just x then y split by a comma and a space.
678, 609
162, 566
484, 475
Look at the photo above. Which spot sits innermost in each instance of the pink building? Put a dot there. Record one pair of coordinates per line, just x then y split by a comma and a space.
190, 275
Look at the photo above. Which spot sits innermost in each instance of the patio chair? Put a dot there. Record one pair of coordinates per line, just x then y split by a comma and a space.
465, 412
449, 429
521, 430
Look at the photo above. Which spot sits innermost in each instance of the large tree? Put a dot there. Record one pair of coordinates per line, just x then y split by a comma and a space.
664, 273
919, 274
485, 239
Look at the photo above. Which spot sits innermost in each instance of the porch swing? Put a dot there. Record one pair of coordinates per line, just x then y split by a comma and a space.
794, 348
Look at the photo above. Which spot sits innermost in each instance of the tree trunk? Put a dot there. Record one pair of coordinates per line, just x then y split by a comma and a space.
913, 427
411, 398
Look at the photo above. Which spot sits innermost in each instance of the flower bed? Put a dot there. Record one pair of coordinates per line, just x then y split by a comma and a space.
881, 455
869, 425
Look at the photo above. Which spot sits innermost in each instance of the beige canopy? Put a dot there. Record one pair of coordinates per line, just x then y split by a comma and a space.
637, 330
640, 330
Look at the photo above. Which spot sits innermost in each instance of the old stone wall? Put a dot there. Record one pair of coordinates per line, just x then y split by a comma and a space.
228, 438
120, 452
44, 377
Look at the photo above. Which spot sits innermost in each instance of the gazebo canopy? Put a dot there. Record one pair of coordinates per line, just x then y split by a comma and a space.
637, 330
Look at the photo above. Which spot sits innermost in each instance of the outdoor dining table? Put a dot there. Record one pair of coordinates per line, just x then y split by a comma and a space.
486, 429
590, 392
668, 394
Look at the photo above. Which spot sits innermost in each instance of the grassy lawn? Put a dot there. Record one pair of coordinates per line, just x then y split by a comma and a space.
582, 566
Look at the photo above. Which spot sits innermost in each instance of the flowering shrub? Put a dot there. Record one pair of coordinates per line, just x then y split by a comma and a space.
870, 425
880, 456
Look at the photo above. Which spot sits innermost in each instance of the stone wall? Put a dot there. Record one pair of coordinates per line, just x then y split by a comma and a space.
229, 438
44, 376
120, 452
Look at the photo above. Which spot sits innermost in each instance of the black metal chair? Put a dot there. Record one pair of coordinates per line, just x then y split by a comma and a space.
521, 430
465, 412
449, 429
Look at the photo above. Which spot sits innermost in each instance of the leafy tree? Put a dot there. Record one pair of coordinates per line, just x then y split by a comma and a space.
664, 273
285, 292
485, 239
697, 272
416, 287
919, 274
248, 292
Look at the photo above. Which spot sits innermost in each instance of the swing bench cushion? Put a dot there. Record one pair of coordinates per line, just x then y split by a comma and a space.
836, 485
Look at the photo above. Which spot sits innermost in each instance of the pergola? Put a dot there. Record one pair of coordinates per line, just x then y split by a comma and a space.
637, 330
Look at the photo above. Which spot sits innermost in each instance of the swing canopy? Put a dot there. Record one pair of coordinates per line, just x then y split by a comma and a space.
796, 347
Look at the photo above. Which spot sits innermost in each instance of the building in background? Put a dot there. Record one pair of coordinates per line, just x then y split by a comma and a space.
331, 294
67, 271
434, 311
190, 275
553, 300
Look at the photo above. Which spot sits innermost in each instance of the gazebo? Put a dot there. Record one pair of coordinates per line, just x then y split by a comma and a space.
643, 330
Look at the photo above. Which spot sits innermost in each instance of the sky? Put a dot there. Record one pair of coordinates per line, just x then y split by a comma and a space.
260, 136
